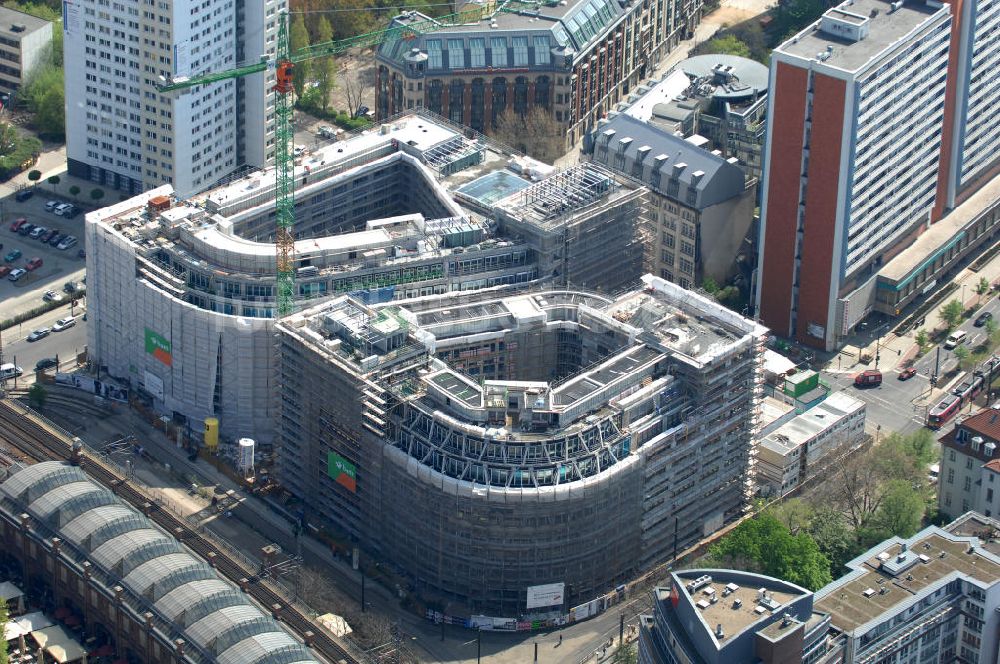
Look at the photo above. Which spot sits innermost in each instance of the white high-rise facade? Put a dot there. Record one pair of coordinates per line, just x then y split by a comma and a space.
122, 133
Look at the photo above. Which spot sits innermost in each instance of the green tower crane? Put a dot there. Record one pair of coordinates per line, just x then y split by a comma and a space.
283, 65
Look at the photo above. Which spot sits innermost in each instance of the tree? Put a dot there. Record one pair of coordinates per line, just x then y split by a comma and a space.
298, 37
857, 484
626, 654
16, 150
833, 537
37, 395
709, 286
991, 332
45, 98
325, 68
53, 179
982, 288
355, 87
74, 190
35, 176
3, 642
951, 314
902, 510
536, 133
962, 354
730, 296
727, 45
922, 339
794, 513
918, 446
763, 543
96, 193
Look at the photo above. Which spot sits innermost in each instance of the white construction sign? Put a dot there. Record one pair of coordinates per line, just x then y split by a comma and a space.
550, 594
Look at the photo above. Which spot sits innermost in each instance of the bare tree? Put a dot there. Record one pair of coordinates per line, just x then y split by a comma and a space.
536, 133
357, 86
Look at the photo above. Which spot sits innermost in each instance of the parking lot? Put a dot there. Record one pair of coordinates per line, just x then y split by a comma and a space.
58, 266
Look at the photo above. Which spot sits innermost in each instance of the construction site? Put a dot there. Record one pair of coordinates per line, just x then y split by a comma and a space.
182, 291
489, 444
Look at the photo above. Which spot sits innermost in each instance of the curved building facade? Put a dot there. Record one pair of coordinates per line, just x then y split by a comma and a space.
181, 291
488, 444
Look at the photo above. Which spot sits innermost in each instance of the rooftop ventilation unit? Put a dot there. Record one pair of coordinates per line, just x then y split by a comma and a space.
698, 583
718, 631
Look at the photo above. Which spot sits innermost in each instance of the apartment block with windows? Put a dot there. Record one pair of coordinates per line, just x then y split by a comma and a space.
25, 46
124, 134
700, 207
970, 466
855, 116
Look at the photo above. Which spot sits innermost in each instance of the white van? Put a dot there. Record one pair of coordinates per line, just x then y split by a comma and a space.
10, 371
955, 339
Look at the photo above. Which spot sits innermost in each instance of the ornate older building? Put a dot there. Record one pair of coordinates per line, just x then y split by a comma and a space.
575, 58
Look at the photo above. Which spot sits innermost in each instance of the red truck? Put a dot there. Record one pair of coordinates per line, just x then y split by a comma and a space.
868, 378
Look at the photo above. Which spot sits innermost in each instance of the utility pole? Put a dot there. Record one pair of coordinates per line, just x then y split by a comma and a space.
621, 628
937, 366
479, 644
362, 588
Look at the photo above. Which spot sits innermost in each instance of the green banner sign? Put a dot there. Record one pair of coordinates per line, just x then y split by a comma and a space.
342, 471
158, 347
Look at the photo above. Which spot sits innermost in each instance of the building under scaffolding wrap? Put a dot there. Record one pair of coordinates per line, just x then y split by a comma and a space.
413, 208
584, 225
483, 444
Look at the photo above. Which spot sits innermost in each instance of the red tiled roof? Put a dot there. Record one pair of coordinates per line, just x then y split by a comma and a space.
994, 465
985, 423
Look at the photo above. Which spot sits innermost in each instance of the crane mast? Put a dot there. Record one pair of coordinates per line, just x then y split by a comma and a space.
284, 161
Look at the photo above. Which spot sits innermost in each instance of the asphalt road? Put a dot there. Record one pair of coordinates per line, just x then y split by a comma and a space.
902, 405
65, 344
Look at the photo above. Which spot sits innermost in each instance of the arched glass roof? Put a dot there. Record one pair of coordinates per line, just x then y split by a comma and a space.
205, 610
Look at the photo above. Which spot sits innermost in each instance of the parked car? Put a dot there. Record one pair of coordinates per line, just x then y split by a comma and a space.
37, 232
868, 378
25, 229
23, 195
57, 238
71, 287
82, 253
51, 205
49, 235
982, 318
62, 208
15, 225
33, 263
46, 363
9, 370
4, 270
12, 255
71, 212
52, 296
16, 274
63, 324
40, 333
70, 241
907, 373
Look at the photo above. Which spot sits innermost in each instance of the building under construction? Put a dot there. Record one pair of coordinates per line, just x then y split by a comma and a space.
181, 291
486, 444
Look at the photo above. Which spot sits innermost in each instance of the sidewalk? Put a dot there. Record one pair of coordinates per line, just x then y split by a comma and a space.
897, 350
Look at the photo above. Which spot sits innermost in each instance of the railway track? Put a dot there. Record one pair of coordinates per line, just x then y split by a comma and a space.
33, 437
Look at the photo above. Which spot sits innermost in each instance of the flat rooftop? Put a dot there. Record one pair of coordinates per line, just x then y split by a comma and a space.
736, 607
941, 235
11, 17
879, 584
885, 29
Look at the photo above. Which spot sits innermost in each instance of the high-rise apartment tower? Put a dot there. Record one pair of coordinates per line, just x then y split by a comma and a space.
122, 133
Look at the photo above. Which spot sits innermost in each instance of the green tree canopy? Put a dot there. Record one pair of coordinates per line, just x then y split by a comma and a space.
35, 176
97, 193
53, 179
45, 98
833, 536
74, 190
325, 68
766, 545
901, 512
727, 45
37, 395
298, 37
951, 314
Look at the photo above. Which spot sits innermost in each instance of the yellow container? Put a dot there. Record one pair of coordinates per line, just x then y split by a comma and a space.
212, 433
